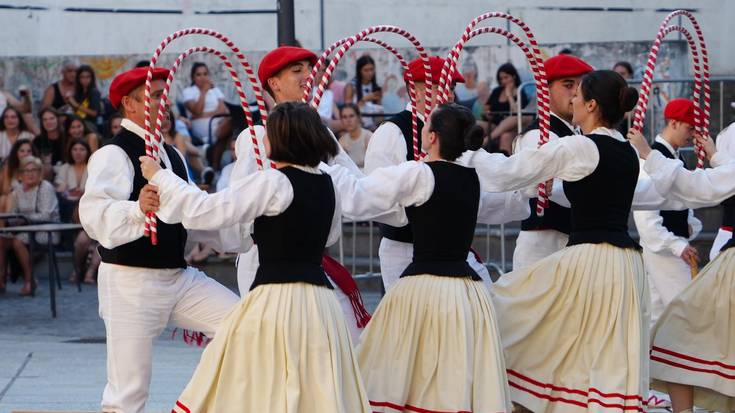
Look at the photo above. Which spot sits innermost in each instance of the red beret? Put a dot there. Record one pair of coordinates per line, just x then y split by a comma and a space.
564, 65
126, 82
279, 58
680, 109
416, 67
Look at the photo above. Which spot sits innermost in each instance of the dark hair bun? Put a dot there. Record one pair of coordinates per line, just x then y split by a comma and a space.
628, 98
473, 137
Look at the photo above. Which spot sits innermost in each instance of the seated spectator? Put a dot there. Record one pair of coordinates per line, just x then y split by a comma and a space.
364, 90
624, 69
203, 100
36, 200
12, 129
113, 127
57, 94
75, 128
355, 138
11, 171
71, 178
182, 143
50, 143
86, 100
502, 108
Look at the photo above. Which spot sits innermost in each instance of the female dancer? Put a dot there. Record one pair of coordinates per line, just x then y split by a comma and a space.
285, 348
692, 352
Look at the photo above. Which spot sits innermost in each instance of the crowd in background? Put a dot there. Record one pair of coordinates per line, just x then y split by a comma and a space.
44, 150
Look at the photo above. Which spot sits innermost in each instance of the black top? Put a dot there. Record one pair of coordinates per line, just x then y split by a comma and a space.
728, 212
501, 110
403, 121
601, 201
169, 253
555, 217
444, 226
677, 222
53, 147
290, 245
58, 101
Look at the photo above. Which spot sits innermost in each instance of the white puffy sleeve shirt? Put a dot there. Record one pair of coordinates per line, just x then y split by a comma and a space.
411, 184
266, 193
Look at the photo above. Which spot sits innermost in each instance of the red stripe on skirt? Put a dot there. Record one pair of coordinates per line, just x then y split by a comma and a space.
574, 391
694, 359
411, 408
574, 402
685, 367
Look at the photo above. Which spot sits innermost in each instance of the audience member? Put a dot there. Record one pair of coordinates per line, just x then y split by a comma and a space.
75, 128
183, 143
203, 101
12, 129
51, 142
502, 108
71, 178
364, 90
36, 200
86, 100
355, 138
10, 179
57, 94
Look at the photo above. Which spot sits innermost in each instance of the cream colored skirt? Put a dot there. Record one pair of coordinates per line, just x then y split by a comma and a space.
432, 346
285, 348
575, 330
694, 341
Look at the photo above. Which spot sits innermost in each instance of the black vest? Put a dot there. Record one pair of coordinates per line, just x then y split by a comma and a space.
730, 218
444, 227
728, 212
290, 245
169, 253
677, 222
403, 121
601, 201
555, 217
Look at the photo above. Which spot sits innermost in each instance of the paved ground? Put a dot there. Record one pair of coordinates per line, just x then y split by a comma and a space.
59, 364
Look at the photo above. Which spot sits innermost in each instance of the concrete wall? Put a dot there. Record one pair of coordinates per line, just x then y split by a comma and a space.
90, 27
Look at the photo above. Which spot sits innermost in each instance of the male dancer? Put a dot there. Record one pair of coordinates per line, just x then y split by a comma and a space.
545, 235
141, 286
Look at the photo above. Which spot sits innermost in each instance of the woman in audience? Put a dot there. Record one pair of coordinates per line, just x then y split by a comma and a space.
364, 89
355, 138
203, 100
36, 200
50, 143
86, 100
12, 129
11, 171
71, 177
502, 108
182, 143
76, 129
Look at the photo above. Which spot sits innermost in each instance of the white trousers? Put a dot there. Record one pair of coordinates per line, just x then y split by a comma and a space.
533, 246
395, 256
668, 275
136, 304
247, 266
722, 237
